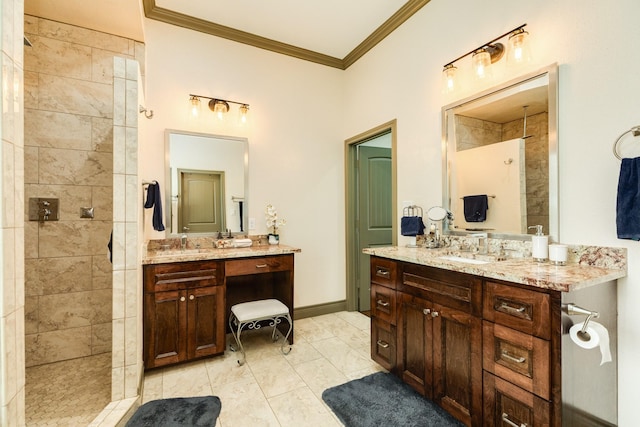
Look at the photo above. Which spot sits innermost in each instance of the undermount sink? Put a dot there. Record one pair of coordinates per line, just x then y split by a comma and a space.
463, 259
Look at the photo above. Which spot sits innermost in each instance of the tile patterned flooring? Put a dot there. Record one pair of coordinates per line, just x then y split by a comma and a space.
68, 393
271, 389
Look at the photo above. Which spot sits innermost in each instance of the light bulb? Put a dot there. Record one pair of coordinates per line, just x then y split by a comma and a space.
194, 106
481, 61
244, 111
449, 83
519, 51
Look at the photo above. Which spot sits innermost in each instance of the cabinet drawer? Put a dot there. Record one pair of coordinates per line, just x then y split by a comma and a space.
508, 405
384, 272
454, 290
517, 357
383, 343
383, 303
181, 275
521, 309
269, 264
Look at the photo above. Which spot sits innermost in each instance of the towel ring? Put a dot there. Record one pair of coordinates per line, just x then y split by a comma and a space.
634, 130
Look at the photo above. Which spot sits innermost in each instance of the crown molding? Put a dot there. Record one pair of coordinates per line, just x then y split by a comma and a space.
152, 11
389, 26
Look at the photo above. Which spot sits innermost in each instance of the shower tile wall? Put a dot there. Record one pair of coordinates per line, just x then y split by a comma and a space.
473, 132
11, 214
69, 155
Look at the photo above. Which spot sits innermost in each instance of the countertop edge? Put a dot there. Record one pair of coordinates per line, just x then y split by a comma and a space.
170, 256
523, 271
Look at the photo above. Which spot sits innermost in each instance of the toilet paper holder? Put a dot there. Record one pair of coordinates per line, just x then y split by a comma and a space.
571, 309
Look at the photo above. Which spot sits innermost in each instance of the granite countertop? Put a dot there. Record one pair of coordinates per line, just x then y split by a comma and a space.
163, 256
587, 266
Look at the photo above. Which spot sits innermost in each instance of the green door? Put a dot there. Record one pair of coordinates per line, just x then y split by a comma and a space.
374, 212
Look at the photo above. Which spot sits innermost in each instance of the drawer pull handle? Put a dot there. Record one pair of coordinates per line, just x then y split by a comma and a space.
426, 311
512, 309
505, 418
383, 273
261, 265
383, 344
506, 355
383, 303
182, 299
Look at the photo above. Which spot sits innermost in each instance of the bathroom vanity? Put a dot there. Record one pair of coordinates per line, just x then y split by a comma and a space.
488, 341
188, 296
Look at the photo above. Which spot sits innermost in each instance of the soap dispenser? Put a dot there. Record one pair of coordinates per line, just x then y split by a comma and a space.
539, 244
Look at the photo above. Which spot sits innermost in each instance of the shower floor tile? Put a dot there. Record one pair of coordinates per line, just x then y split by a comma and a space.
68, 393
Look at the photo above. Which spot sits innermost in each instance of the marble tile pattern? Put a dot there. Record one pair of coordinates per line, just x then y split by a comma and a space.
272, 389
81, 94
586, 265
168, 250
12, 154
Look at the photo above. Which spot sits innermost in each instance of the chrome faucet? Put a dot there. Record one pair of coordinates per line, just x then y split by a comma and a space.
483, 242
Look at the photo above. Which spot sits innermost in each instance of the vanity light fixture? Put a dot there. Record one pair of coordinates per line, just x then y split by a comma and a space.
487, 54
219, 106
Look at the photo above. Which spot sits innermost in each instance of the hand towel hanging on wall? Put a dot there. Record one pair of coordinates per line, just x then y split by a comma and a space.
154, 201
628, 201
475, 208
411, 226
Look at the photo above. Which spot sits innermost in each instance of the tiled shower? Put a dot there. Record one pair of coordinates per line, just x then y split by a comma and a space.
74, 143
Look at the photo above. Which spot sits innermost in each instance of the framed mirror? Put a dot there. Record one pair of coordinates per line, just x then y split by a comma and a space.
500, 158
206, 180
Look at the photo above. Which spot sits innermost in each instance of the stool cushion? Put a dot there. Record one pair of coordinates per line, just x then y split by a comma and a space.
253, 310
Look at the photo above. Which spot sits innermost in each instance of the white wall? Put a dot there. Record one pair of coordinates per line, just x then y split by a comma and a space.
295, 140
595, 45
301, 113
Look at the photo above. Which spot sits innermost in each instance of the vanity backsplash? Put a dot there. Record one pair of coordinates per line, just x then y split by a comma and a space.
596, 256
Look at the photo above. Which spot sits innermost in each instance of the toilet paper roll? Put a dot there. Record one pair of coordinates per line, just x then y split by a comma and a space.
598, 337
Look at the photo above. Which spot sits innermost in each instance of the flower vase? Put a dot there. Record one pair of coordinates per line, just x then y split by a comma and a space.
274, 239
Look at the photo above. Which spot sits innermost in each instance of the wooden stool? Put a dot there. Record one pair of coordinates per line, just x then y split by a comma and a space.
250, 314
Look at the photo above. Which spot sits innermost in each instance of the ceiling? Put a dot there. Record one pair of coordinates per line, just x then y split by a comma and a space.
330, 32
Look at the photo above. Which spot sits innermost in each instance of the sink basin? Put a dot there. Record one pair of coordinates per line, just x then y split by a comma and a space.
463, 259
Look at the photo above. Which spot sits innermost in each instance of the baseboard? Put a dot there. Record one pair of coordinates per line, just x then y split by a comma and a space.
319, 309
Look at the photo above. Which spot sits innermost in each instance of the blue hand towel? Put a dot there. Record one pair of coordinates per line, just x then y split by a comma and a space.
411, 226
475, 208
154, 201
628, 202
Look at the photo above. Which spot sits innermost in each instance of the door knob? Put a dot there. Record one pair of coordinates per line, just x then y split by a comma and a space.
426, 311
182, 299
191, 297
434, 314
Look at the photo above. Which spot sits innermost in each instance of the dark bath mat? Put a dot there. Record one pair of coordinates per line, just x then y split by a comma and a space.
177, 412
382, 399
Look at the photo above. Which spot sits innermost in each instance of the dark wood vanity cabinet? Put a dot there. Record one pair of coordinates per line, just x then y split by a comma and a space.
440, 338
184, 309
485, 351
383, 312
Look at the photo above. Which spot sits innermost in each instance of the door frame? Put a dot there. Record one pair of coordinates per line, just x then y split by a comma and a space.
350, 155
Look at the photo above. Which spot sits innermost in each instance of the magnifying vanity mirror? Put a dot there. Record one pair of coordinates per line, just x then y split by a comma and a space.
206, 180
500, 158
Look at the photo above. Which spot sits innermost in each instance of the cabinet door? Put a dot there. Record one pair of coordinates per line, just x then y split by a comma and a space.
164, 328
415, 356
205, 335
457, 363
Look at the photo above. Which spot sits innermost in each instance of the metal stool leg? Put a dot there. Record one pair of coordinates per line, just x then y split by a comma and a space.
236, 335
286, 338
